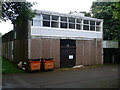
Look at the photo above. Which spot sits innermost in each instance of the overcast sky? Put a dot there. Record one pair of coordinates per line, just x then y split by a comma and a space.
62, 6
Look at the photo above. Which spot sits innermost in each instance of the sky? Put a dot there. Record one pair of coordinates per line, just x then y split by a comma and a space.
61, 6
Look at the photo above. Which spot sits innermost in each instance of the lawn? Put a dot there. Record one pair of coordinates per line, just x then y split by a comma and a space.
9, 67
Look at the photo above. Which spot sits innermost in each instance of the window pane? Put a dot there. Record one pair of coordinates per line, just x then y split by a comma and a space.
85, 27
98, 28
86, 22
79, 20
78, 26
46, 17
92, 22
37, 17
55, 18
97, 23
63, 25
92, 28
64, 19
36, 23
72, 26
46, 23
54, 24
72, 20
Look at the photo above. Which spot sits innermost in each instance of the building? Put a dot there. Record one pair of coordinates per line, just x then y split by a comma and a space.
111, 53
71, 39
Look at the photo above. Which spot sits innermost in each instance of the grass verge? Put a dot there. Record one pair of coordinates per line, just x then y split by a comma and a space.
9, 67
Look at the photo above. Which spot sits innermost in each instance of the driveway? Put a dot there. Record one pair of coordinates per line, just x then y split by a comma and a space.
98, 77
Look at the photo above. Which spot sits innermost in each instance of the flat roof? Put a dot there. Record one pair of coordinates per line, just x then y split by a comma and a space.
67, 15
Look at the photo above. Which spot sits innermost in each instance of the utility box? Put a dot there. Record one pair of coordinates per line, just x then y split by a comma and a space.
48, 64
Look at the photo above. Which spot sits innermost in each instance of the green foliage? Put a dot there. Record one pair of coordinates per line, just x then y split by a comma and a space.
116, 16
116, 11
9, 67
104, 10
17, 12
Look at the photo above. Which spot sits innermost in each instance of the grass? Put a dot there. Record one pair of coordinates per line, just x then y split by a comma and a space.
9, 67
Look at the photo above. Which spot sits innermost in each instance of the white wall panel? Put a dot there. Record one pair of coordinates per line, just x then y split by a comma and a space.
45, 31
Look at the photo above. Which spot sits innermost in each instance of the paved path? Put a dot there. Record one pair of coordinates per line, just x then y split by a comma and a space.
97, 77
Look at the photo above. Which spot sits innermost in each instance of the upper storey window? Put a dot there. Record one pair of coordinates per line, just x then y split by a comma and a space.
92, 25
86, 22
71, 23
46, 20
56, 18
46, 17
78, 24
63, 22
36, 21
86, 25
63, 19
55, 21
98, 27
66, 22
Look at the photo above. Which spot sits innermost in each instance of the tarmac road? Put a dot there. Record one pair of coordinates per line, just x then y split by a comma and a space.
97, 77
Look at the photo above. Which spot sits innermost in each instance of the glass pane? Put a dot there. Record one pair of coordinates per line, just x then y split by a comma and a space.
54, 24
85, 27
46, 23
63, 25
92, 22
92, 28
36, 23
46, 17
86, 22
78, 27
98, 28
64, 19
37, 17
72, 26
79, 20
97, 23
72, 20
55, 18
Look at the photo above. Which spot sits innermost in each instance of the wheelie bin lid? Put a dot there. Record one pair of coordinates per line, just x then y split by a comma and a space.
46, 58
35, 59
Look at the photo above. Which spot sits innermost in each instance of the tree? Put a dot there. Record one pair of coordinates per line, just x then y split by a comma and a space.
17, 12
116, 15
104, 10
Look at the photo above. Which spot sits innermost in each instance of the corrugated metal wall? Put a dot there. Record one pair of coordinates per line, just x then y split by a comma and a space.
88, 52
46, 48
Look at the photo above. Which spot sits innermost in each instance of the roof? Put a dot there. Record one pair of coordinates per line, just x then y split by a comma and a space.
67, 15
